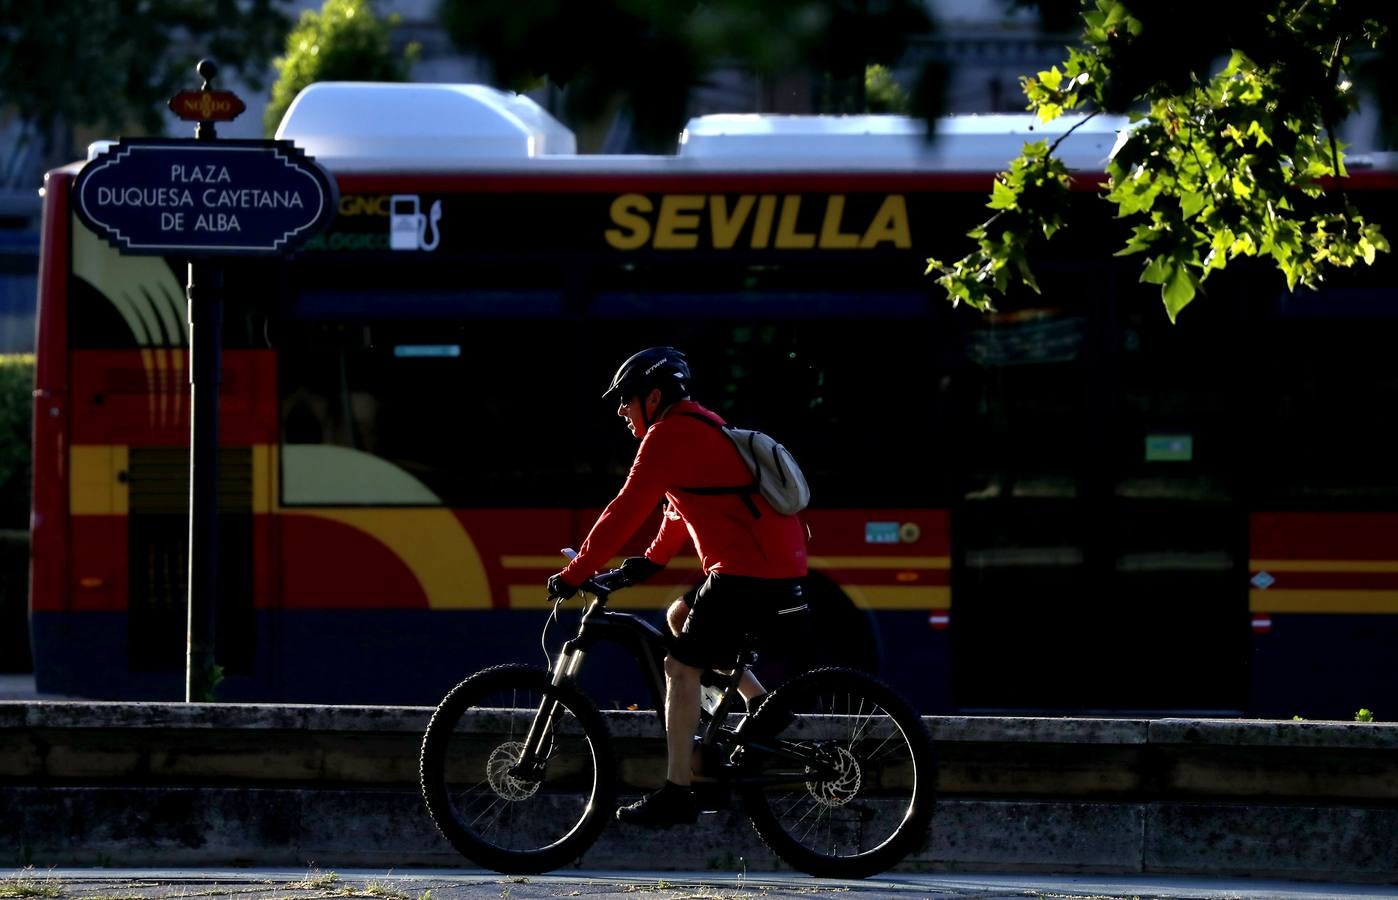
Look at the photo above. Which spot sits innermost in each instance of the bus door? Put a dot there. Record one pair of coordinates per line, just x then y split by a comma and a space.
1099, 551
1176, 532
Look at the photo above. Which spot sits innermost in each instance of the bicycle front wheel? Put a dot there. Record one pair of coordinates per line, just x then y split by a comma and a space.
499, 806
837, 774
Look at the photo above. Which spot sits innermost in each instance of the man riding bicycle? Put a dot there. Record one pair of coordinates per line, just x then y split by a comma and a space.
753, 557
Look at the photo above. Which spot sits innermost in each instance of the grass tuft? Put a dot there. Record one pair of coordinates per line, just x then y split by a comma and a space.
316, 880
25, 884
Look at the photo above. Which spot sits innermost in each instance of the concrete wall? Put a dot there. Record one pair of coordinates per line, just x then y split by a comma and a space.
176, 784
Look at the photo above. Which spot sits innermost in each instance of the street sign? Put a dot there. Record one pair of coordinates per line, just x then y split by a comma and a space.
164, 197
207, 106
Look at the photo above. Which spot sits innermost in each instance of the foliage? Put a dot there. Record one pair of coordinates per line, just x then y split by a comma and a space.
882, 94
16, 414
73, 63
1364, 715
206, 682
647, 56
345, 41
1232, 147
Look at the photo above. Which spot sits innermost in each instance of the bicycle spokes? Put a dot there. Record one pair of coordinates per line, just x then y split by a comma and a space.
519, 770
831, 771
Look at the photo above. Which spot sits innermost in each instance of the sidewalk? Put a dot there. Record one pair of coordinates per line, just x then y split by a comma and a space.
450, 884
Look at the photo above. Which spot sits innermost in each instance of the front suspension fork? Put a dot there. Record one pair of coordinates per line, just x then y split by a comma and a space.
538, 743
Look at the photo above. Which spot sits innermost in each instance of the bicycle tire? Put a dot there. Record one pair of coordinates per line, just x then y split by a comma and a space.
493, 818
877, 808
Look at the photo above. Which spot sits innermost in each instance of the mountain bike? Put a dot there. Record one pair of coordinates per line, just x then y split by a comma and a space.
834, 769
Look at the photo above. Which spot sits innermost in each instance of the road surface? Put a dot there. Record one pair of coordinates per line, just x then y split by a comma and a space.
450, 884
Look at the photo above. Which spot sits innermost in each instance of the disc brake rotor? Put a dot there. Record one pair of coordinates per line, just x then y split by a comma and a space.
497, 772
844, 787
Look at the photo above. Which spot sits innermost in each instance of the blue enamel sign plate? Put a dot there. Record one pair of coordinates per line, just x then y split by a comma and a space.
168, 197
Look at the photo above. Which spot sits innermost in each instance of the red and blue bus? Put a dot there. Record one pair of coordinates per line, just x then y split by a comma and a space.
1069, 505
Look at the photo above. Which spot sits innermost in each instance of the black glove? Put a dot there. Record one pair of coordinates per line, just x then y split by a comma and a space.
560, 589
637, 569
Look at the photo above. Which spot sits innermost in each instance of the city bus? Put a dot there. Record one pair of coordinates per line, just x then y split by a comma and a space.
1066, 506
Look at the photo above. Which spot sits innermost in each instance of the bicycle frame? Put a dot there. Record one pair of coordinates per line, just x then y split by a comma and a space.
648, 646
643, 641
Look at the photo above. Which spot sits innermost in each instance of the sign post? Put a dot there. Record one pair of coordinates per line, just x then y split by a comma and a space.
204, 300
203, 200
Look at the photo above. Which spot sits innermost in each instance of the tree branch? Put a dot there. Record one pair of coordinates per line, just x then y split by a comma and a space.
1064, 136
1334, 69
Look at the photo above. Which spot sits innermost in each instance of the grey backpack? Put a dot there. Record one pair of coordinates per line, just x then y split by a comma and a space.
775, 474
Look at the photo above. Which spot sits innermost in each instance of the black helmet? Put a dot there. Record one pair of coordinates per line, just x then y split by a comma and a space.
654, 367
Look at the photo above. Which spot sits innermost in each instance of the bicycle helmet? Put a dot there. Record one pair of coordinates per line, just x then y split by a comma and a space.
654, 367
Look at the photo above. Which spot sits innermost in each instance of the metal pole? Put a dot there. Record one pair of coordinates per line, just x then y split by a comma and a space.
204, 295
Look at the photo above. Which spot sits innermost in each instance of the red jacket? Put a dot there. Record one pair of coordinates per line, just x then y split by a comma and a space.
678, 452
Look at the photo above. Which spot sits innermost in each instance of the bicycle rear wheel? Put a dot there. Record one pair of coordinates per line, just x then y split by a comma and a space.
837, 774
497, 813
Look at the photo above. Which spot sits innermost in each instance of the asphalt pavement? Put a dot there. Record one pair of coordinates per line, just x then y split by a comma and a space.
450, 884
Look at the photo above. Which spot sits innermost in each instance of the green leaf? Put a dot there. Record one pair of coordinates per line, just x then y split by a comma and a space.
1236, 62
1002, 196
1191, 202
1141, 239
1158, 270
1178, 291
1374, 235
1116, 13
1032, 150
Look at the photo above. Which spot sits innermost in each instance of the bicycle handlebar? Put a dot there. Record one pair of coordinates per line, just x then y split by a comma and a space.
603, 583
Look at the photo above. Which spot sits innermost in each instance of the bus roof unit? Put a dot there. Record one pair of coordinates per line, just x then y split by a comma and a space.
348, 124
967, 143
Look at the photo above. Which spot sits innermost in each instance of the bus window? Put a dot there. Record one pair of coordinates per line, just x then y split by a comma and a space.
1324, 392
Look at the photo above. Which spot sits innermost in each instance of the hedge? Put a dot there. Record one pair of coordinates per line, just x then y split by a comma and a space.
16, 416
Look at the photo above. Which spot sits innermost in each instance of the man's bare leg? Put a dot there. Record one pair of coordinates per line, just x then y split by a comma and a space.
674, 803
681, 718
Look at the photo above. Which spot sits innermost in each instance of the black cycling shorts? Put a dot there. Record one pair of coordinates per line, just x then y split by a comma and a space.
729, 613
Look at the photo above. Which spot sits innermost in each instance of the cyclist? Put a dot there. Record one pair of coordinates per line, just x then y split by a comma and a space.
753, 558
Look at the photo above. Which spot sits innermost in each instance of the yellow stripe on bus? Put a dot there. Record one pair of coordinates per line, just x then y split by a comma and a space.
1275, 601
880, 562
642, 596
884, 596
816, 562
93, 486
265, 493
559, 561
96, 489
1322, 565
656, 596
